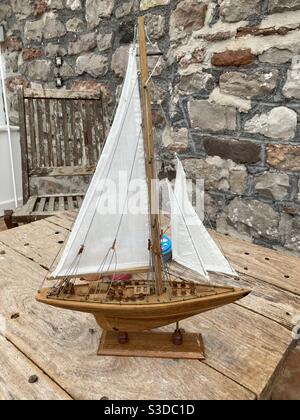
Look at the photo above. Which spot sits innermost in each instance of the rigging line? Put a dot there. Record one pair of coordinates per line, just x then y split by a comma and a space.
191, 238
151, 74
115, 149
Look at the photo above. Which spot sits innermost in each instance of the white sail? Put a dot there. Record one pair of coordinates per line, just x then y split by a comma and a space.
111, 236
193, 247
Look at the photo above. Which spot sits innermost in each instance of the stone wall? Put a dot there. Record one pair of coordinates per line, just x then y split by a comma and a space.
226, 94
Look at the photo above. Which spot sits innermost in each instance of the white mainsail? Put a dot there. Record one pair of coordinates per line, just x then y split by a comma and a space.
107, 235
193, 247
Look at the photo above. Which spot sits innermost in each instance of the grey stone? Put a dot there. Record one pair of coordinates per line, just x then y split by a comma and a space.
155, 25
22, 8
290, 232
84, 43
74, 4
279, 123
67, 71
212, 206
33, 30
276, 6
195, 83
276, 56
272, 185
233, 11
124, 9
148, 4
217, 173
291, 88
93, 64
75, 25
11, 62
188, 16
49, 26
156, 65
105, 41
56, 4
51, 50
207, 116
39, 70
98, 9
299, 190
5, 12
248, 85
175, 139
53, 27
119, 60
248, 217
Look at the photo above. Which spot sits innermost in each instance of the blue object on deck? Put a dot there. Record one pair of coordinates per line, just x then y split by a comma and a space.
166, 248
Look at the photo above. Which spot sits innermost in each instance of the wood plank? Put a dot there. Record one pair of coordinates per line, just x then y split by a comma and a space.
244, 346
79, 201
28, 207
40, 241
64, 171
41, 204
70, 340
49, 132
15, 370
61, 203
85, 140
57, 122
24, 146
97, 132
65, 131
262, 263
72, 107
41, 134
89, 125
54, 130
32, 131
51, 206
70, 203
61, 94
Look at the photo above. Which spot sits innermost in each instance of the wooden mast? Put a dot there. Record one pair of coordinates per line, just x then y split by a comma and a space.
149, 150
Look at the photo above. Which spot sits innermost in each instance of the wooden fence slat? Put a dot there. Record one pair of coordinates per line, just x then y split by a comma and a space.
51, 204
70, 203
24, 146
40, 138
49, 133
32, 130
65, 132
61, 203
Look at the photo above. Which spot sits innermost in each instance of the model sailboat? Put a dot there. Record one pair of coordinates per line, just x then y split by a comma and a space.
112, 265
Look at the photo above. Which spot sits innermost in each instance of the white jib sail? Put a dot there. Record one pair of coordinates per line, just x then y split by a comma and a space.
193, 247
116, 204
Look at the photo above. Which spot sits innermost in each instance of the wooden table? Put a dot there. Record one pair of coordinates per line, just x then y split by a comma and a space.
247, 343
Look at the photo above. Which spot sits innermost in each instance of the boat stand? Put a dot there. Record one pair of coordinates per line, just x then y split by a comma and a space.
156, 344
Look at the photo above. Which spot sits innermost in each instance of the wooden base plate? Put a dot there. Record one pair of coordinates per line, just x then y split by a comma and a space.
152, 344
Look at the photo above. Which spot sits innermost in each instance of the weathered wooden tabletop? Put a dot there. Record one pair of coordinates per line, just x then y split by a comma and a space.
247, 343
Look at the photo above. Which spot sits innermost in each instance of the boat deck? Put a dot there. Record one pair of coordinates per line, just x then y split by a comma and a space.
247, 343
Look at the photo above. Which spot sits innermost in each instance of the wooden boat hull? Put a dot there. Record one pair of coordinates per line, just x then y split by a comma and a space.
143, 316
